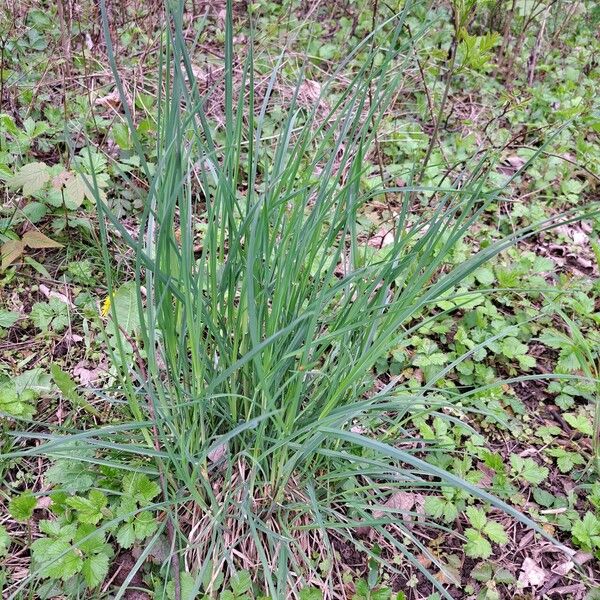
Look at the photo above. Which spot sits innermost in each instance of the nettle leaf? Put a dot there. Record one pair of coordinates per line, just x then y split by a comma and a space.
91, 540
144, 525
241, 582
579, 422
495, 532
89, 510
56, 558
187, 583
126, 535
440, 508
482, 572
71, 474
22, 506
528, 469
139, 487
16, 404
511, 347
565, 460
53, 315
31, 177
477, 546
94, 569
586, 532
476, 517
543, 498
36, 380
485, 275
8, 318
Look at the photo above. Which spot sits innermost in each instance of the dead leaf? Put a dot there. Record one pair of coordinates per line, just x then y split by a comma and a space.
531, 574
112, 100
11, 251
43, 502
36, 239
52, 294
218, 453
88, 376
398, 501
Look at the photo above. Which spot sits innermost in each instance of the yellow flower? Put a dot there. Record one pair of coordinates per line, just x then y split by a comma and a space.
105, 306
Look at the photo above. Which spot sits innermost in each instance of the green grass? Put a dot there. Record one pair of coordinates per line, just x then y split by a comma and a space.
262, 313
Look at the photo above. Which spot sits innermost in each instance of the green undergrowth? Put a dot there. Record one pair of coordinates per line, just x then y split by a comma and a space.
312, 315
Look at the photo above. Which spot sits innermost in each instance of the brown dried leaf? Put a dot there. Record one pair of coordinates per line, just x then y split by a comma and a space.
11, 251
36, 239
531, 574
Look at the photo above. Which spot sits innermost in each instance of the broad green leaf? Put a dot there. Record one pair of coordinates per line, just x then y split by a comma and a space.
126, 535
22, 506
579, 422
187, 584
477, 546
241, 582
126, 307
144, 524
495, 532
476, 517
94, 569
139, 487
586, 532
71, 475
311, 594
8, 318
89, 510
57, 559
31, 178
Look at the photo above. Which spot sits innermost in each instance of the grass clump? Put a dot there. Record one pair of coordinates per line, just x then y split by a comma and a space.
260, 313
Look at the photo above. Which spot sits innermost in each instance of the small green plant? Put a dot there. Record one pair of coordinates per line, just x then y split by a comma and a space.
481, 533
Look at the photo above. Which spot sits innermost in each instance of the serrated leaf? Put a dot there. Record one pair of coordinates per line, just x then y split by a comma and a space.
543, 498
89, 510
144, 524
8, 318
72, 475
22, 506
90, 539
94, 569
36, 239
579, 422
495, 532
139, 487
482, 572
187, 588
241, 582
311, 594
476, 517
126, 535
33, 379
586, 532
32, 177
53, 315
477, 546
56, 558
